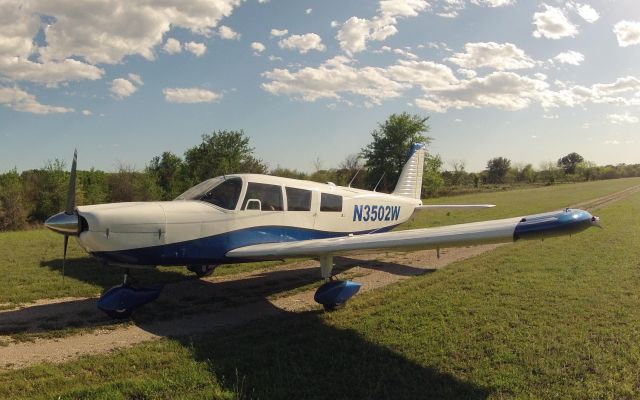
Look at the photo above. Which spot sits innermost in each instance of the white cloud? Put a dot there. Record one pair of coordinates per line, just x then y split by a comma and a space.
79, 36
627, 33
587, 12
467, 73
402, 8
135, 79
333, 79
227, 33
274, 58
356, 32
258, 47
334, 24
499, 56
195, 48
426, 74
503, 90
172, 46
189, 95
302, 43
278, 32
613, 142
553, 24
569, 57
20, 100
622, 119
121, 88
86, 112
308, 11
493, 3
53, 72
405, 53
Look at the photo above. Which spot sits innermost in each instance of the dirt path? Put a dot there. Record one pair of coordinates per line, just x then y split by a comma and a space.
198, 306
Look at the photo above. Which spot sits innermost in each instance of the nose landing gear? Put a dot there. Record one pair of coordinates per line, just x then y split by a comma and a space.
120, 301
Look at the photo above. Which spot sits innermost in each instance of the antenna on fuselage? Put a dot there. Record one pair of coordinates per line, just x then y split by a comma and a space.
379, 180
354, 176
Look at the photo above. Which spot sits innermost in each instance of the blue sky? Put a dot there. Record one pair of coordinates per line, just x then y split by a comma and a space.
124, 81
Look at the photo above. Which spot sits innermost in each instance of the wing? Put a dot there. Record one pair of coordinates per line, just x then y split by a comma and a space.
495, 231
453, 206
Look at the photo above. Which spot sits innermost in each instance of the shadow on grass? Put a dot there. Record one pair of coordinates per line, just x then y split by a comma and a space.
299, 356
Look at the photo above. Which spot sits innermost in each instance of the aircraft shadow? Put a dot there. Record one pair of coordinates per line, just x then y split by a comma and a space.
300, 356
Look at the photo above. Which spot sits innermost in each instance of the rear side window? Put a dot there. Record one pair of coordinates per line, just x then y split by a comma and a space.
270, 196
330, 202
298, 199
225, 195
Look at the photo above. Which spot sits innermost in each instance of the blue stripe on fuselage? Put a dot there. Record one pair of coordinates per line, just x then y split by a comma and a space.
213, 249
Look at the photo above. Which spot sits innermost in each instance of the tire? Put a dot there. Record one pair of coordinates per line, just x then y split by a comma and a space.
202, 270
119, 314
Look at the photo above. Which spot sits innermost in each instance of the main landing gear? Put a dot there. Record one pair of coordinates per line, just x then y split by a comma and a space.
202, 270
120, 301
333, 294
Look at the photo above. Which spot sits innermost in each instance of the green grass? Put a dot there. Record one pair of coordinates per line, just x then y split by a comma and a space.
552, 319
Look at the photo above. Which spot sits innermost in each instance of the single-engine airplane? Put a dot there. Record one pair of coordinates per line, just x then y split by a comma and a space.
248, 217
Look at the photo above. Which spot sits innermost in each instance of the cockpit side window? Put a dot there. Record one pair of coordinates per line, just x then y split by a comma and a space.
298, 199
225, 195
270, 196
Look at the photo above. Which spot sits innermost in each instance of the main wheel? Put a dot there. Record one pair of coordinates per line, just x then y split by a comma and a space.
123, 313
202, 270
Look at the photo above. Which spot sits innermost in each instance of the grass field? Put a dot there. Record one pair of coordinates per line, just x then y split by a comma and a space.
31, 261
552, 319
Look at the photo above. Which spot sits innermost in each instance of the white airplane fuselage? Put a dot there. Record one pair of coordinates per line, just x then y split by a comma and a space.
268, 209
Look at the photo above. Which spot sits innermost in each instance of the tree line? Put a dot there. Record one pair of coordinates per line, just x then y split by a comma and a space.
29, 197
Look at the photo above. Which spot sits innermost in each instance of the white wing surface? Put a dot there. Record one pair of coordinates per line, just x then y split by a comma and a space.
496, 231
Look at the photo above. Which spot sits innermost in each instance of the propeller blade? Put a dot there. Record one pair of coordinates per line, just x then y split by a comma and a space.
71, 196
64, 257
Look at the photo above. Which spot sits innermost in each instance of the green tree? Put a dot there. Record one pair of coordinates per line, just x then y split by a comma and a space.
13, 214
168, 172
220, 153
387, 153
432, 179
497, 169
569, 162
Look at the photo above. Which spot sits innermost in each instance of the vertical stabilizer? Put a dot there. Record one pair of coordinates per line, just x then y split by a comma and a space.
410, 181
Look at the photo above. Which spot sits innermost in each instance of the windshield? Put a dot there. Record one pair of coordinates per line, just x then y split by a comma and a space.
200, 189
220, 192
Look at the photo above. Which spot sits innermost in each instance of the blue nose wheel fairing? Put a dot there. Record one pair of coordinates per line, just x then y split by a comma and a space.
120, 301
333, 295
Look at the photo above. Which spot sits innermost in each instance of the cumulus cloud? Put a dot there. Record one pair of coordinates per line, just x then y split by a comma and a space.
227, 33
587, 12
172, 46
308, 11
278, 32
494, 3
190, 95
552, 23
340, 79
302, 43
258, 47
77, 37
195, 48
19, 100
121, 88
627, 33
333, 79
569, 57
86, 112
622, 119
355, 32
500, 56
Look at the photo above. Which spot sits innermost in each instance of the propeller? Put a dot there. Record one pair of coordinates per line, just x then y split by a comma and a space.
67, 223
